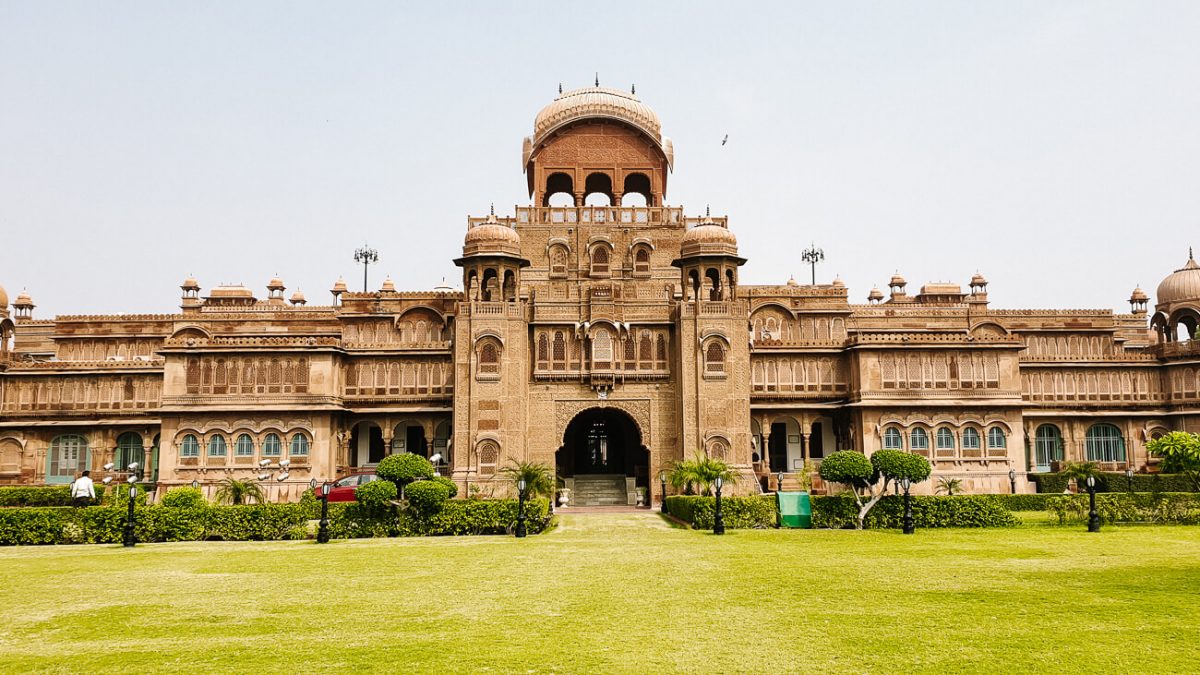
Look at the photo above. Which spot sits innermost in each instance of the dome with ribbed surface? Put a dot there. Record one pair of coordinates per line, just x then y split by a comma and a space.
596, 102
708, 238
491, 237
1182, 286
23, 300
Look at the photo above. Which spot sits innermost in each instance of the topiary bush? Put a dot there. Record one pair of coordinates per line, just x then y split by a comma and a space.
376, 495
450, 485
426, 497
184, 498
404, 468
848, 468
756, 512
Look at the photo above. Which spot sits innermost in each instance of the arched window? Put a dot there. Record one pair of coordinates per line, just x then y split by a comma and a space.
1104, 443
488, 454
714, 359
971, 442
543, 350
558, 261
244, 447
945, 442
1048, 446
130, 450
68, 456
560, 351
299, 446
600, 259
644, 347
217, 447
996, 439
602, 349
660, 351
918, 441
641, 260
559, 183
272, 446
893, 439
189, 446
489, 358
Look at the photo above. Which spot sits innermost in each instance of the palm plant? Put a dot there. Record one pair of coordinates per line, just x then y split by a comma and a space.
238, 492
949, 486
1079, 472
539, 478
689, 474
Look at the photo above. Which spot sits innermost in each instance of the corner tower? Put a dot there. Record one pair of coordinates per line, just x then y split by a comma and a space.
597, 140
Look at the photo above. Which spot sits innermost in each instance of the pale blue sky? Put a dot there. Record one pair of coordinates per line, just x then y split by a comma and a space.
1053, 146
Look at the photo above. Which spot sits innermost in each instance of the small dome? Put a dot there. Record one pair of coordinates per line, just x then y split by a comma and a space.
491, 237
792, 281
339, 286
3, 299
1182, 286
298, 298
1138, 295
897, 280
443, 287
838, 283
190, 284
389, 286
875, 295
978, 280
708, 238
23, 300
275, 284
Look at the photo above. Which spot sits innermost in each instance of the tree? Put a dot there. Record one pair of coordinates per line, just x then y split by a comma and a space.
539, 478
1079, 472
1180, 452
239, 492
403, 469
701, 472
949, 486
863, 476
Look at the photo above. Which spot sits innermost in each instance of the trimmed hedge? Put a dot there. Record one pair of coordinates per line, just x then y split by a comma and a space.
1180, 508
839, 512
258, 522
1021, 502
50, 495
1055, 483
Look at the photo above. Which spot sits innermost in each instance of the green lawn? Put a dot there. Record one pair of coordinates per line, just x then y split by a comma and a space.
616, 592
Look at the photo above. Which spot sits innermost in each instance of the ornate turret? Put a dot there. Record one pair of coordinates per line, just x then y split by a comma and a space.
388, 286
275, 289
1138, 301
298, 298
23, 305
491, 260
1177, 304
897, 286
875, 296
708, 260
339, 287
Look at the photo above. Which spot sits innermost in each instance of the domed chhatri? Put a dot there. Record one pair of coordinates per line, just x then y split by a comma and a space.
23, 301
3, 299
298, 298
339, 286
389, 286
1183, 285
492, 237
708, 238
875, 296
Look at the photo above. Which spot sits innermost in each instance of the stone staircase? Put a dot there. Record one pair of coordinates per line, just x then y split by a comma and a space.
599, 490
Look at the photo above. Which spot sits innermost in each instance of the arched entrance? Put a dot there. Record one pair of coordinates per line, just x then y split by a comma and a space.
602, 459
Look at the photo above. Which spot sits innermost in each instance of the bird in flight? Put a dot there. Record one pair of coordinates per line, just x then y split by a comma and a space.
725, 140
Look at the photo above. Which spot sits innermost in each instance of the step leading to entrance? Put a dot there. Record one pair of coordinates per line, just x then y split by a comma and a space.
599, 490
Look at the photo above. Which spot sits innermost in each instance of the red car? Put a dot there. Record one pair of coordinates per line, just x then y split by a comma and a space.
342, 489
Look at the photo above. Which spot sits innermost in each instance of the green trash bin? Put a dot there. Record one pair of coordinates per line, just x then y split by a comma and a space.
795, 509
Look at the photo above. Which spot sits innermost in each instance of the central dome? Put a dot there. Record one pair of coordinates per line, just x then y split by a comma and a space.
1181, 286
591, 102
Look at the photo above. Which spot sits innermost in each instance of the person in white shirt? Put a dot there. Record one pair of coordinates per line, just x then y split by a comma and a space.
83, 490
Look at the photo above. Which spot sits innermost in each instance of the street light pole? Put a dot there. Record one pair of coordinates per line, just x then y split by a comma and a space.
1093, 517
130, 537
718, 517
521, 485
908, 517
662, 480
813, 255
1129, 478
323, 526
1012, 480
367, 256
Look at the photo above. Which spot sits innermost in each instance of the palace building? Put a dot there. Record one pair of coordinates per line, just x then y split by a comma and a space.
605, 333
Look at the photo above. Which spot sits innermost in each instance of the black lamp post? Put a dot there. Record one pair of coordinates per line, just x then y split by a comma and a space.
130, 537
1129, 478
323, 526
1093, 517
1012, 480
779, 482
719, 517
662, 480
195, 484
521, 485
908, 518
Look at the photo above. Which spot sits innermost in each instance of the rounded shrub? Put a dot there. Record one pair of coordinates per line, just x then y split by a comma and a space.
184, 498
377, 494
898, 465
451, 485
848, 467
404, 468
427, 496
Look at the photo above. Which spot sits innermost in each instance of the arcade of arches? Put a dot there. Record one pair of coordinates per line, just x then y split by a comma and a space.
602, 331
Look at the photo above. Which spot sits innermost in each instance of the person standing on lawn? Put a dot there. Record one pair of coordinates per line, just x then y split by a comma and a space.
83, 490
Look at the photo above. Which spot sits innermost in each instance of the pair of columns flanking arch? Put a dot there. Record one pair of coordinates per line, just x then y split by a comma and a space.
760, 427
600, 183
491, 283
1182, 325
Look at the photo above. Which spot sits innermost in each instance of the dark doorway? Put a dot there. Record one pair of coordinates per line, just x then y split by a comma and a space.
375, 450
816, 442
778, 447
602, 441
414, 441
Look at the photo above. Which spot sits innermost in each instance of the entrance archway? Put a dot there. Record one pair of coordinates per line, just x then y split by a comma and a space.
602, 458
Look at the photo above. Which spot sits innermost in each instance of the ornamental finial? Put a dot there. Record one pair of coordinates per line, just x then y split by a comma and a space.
633, 89
597, 78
